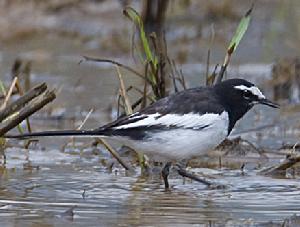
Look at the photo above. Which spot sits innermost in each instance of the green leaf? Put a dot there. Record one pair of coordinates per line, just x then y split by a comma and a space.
2, 142
240, 31
136, 19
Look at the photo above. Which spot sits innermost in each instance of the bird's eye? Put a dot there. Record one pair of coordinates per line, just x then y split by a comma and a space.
247, 94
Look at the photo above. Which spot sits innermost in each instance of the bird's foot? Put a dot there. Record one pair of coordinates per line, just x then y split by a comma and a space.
165, 173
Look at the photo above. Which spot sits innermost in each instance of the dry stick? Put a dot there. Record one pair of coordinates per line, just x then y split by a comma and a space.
182, 79
142, 93
134, 105
207, 67
212, 38
172, 74
28, 110
113, 153
87, 58
9, 93
128, 108
180, 76
144, 97
86, 118
22, 101
119, 104
78, 128
138, 102
212, 77
21, 92
279, 169
14, 92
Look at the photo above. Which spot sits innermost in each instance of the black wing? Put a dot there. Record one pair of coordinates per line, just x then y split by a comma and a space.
195, 100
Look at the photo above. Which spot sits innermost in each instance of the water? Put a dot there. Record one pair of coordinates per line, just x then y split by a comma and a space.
44, 186
40, 195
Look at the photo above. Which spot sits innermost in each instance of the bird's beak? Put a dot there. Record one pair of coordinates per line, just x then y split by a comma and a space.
268, 103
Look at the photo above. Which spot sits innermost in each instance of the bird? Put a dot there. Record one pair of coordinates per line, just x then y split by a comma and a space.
181, 126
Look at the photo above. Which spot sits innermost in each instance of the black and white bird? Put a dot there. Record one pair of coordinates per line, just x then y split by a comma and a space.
181, 126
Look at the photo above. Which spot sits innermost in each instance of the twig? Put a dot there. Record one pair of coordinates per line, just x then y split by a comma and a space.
20, 90
144, 97
142, 92
180, 76
128, 108
28, 110
212, 37
87, 58
9, 93
85, 119
225, 64
212, 77
113, 153
207, 67
78, 128
14, 92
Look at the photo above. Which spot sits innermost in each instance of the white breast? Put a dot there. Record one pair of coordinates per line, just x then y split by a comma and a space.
182, 142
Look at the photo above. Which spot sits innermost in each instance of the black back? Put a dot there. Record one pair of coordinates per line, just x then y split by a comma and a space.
196, 100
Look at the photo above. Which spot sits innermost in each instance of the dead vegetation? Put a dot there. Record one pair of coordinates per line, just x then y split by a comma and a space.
13, 112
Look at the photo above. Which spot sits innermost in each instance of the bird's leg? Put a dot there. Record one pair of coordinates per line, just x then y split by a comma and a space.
165, 173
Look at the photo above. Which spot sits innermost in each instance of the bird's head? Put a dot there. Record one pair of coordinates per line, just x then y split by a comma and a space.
241, 94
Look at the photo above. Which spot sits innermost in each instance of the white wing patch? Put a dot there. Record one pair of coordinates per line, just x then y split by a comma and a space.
254, 90
191, 120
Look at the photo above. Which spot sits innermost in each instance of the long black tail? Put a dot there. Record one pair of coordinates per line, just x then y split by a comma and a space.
56, 133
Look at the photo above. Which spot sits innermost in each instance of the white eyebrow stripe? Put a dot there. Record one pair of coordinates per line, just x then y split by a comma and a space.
254, 90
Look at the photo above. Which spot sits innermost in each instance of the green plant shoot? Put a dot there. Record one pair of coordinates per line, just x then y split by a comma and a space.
136, 18
240, 31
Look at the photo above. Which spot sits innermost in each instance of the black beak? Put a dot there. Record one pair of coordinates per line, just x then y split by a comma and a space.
268, 103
